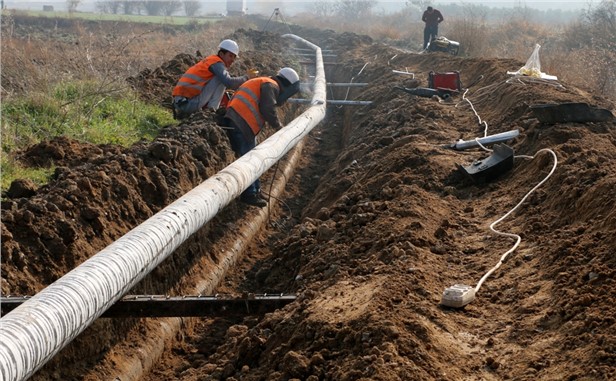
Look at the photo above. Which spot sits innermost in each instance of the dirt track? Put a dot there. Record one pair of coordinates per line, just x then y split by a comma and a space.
377, 222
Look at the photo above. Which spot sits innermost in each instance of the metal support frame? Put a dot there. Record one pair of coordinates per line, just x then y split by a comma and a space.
310, 50
311, 55
312, 63
358, 84
331, 102
139, 306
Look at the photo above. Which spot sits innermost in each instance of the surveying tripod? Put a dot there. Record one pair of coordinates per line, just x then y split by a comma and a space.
279, 18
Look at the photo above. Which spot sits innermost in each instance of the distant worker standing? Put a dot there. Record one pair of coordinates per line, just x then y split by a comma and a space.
432, 17
252, 105
203, 84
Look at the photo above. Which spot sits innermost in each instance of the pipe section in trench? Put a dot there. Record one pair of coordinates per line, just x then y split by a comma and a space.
38, 329
145, 354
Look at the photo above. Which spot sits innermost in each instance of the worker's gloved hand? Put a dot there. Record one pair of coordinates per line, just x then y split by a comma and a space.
252, 73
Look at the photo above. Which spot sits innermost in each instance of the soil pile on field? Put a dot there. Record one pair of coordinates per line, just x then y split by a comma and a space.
155, 85
391, 221
98, 193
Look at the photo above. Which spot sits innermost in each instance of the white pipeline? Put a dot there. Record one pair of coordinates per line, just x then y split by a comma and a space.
38, 329
147, 352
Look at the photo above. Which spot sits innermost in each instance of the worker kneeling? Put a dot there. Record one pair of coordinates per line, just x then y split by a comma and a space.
204, 84
252, 105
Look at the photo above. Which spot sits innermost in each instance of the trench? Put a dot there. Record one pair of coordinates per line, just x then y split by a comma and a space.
169, 333
141, 343
262, 226
135, 364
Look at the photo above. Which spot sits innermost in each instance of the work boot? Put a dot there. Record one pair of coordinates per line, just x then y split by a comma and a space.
253, 199
179, 115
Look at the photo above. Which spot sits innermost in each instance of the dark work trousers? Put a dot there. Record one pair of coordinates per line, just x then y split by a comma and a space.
241, 146
430, 33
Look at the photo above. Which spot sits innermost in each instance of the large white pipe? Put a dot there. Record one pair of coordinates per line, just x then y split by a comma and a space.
37, 330
138, 363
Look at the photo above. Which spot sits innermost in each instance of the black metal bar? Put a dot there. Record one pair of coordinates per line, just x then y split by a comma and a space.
183, 306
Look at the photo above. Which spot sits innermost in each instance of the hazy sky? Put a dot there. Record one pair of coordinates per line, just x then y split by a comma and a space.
301, 5
555, 4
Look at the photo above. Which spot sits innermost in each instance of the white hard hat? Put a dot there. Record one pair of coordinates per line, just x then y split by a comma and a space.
289, 74
230, 46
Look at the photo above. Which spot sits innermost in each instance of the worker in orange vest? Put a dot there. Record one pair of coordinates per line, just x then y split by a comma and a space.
203, 85
252, 105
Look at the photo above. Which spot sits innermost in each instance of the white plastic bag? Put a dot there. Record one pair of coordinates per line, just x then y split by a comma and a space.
532, 68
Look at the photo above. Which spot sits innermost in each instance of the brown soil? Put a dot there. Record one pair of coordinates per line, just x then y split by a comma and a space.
378, 220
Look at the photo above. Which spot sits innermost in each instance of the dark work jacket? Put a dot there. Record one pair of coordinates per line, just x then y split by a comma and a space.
432, 19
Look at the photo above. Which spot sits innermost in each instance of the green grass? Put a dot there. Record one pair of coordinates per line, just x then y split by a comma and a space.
77, 110
11, 171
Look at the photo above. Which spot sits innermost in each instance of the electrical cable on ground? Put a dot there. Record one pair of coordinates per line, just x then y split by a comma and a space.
517, 237
270, 196
523, 78
460, 295
485, 131
269, 193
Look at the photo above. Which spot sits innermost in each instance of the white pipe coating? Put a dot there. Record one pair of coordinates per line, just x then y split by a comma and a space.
39, 328
136, 364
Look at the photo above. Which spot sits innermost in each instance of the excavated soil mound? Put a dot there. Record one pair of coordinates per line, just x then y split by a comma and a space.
154, 84
390, 220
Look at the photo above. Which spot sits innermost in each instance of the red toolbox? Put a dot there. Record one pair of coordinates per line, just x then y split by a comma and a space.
445, 81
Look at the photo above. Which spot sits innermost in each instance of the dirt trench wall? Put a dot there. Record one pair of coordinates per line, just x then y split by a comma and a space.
94, 199
98, 193
394, 221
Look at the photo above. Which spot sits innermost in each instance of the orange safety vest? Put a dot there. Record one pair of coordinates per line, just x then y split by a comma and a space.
194, 80
245, 102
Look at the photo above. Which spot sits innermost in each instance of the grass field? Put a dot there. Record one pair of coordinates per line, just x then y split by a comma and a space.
104, 49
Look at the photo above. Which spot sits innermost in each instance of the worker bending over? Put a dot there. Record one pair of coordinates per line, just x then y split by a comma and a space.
252, 105
432, 17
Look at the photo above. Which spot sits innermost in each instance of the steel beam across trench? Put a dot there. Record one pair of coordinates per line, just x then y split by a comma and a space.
38, 329
138, 306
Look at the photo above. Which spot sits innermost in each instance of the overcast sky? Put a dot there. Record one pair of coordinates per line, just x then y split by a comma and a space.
302, 5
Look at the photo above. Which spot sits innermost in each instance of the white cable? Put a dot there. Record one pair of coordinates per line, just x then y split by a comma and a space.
517, 237
392, 58
485, 131
460, 295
